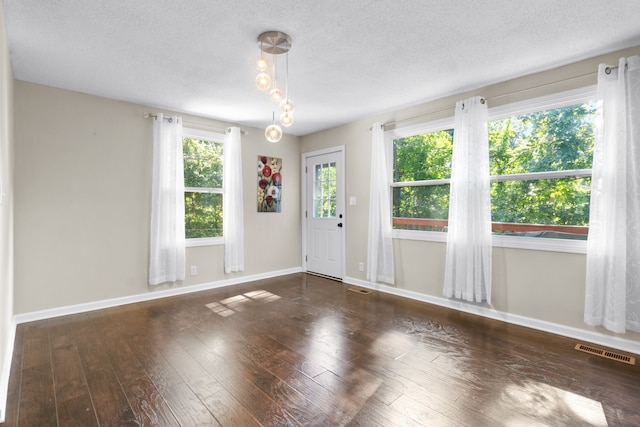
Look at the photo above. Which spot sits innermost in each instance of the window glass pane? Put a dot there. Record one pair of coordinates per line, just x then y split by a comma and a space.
202, 163
551, 140
416, 158
324, 187
540, 208
203, 215
546, 141
423, 157
332, 208
421, 208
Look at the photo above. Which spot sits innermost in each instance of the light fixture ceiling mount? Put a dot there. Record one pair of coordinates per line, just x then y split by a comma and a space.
274, 42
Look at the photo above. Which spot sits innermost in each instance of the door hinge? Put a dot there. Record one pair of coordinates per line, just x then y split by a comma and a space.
306, 258
306, 169
306, 214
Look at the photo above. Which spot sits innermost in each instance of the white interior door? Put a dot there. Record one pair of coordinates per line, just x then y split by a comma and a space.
324, 214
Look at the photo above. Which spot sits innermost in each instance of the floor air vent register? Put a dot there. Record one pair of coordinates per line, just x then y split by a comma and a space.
606, 354
360, 291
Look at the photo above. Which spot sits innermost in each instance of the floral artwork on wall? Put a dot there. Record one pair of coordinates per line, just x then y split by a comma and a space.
269, 184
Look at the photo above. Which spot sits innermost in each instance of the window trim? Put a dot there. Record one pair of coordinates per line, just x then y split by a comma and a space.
568, 173
428, 127
547, 102
498, 241
203, 241
219, 139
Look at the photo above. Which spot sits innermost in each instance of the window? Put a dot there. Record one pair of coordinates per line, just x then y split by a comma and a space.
324, 190
421, 172
540, 157
202, 153
541, 172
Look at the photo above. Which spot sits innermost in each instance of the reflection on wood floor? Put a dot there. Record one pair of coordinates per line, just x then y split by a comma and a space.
303, 350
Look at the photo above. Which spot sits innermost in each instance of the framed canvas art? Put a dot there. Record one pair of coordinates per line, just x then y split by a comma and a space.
269, 184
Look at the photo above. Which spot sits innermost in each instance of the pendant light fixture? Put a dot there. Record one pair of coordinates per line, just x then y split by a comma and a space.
263, 80
286, 105
275, 43
275, 94
262, 63
273, 132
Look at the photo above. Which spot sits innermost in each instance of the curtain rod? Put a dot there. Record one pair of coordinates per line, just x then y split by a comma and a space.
608, 70
504, 95
155, 116
147, 115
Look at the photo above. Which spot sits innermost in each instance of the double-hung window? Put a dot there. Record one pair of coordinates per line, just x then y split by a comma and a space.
421, 174
541, 154
540, 159
202, 152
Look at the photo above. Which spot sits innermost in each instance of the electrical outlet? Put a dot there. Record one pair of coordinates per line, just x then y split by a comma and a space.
194, 270
361, 266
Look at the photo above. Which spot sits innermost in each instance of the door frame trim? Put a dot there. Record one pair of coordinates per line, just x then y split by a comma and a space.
340, 149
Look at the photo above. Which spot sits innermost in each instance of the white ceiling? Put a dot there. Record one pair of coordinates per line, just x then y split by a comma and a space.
350, 59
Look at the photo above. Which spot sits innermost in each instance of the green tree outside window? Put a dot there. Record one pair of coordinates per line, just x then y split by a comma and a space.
544, 142
203, 187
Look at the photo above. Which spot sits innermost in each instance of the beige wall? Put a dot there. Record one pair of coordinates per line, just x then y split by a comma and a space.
541, 285
6, 214
82, 201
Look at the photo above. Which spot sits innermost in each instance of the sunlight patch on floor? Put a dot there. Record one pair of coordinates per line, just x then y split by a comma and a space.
228, 306
541, 401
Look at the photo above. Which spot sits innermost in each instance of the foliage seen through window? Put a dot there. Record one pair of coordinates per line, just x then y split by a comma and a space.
203, 187
543, 144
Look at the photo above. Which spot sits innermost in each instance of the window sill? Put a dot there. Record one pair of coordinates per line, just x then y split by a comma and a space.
428, 236
516, 242
541, 244
206, 241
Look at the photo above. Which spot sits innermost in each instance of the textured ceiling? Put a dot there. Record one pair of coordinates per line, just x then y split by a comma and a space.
350, 58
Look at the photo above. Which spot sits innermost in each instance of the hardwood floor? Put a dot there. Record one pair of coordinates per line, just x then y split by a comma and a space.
303, 350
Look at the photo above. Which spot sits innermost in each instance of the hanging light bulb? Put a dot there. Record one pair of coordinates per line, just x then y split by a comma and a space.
262, 63
287, 105
275, 94
263, 81
273, 132
286, 119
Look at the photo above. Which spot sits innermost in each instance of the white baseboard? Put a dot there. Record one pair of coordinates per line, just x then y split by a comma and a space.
6, 371
113, 302
554, 328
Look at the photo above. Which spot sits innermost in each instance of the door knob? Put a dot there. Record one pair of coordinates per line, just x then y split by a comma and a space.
340, 224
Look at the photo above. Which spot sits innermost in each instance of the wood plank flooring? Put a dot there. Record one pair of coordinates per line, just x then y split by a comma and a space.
302, 350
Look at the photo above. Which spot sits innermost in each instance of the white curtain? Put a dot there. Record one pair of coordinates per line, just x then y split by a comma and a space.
166, 253
468, 256
232, 206
613, 247
380, 246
